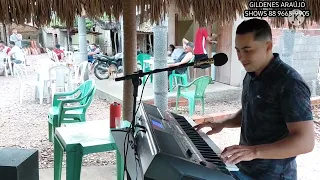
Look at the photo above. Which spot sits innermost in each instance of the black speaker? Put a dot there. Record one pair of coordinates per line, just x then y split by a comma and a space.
19, 164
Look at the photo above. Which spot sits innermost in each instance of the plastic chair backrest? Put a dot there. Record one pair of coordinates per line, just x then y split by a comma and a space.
3, 56
142, 57
60, 74
80, 71
85, 88
89, 97
201, 84
68, 56
20, 73
55, 57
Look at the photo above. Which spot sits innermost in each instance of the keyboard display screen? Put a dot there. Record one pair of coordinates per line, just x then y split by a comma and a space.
157, 124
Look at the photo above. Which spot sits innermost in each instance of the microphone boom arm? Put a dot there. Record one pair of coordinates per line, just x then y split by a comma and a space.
140, 73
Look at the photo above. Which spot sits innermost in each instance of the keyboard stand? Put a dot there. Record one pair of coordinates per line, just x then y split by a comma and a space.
119, 137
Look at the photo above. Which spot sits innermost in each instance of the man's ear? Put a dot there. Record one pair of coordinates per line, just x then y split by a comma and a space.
269, 46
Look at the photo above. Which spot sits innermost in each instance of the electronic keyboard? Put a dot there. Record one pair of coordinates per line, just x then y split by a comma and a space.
169, 148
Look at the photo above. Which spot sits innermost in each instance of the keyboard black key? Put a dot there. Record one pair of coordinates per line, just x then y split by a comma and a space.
200, 144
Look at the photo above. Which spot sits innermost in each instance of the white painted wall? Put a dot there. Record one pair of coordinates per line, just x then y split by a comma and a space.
237, 70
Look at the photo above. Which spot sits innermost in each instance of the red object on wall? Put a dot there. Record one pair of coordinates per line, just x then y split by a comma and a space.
115, 111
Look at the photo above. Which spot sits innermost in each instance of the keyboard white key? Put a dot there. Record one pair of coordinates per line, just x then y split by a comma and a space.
214, 147
232, 167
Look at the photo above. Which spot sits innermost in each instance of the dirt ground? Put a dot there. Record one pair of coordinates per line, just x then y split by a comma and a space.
25, 125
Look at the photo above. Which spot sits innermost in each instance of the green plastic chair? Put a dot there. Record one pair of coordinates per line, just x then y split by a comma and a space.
201, 84
141, 58
59, 113
182, 77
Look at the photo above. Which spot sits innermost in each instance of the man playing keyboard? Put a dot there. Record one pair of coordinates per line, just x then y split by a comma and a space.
276, 117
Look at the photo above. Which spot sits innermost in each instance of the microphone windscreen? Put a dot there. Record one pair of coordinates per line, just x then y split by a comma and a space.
220, 59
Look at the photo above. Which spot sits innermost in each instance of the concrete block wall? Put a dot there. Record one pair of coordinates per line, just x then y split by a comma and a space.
301, 50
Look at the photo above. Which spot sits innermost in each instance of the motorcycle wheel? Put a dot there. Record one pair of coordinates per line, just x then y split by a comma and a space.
101, 71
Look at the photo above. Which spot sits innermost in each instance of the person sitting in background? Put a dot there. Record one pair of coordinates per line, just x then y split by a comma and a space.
184, 58
4, 48
59, 52
139, 51
16, 53
94, 50
171, 49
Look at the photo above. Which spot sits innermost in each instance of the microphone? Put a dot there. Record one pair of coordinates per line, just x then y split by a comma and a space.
218, 60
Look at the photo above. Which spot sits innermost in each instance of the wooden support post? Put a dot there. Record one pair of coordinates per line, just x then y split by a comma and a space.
209, 49
130, 53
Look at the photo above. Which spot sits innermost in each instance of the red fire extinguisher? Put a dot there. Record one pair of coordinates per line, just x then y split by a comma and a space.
115, 112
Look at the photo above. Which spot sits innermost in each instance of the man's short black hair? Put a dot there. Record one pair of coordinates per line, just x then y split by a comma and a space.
58, 46
259, 27
2, 42
12, 43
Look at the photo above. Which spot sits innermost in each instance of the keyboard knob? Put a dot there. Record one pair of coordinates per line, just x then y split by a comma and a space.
203, 163
189, 153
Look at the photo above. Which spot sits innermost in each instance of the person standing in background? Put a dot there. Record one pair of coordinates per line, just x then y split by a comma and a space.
201, 39
16, 38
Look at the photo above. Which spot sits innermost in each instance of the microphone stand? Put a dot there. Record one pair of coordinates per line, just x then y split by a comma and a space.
136, 82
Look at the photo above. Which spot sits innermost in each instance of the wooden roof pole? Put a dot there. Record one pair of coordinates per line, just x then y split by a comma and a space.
129, 54
209, 49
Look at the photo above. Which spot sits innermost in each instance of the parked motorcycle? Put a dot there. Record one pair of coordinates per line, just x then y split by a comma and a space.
106, 64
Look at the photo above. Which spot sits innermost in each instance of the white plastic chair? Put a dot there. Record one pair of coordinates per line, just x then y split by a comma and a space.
22, 65
24, 62
80, 69
4, 62
68, 58
49, 52
68, 54
21, 75
59, 79
55, 57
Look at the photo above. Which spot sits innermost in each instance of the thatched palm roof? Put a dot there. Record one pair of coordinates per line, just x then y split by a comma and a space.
40, 11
